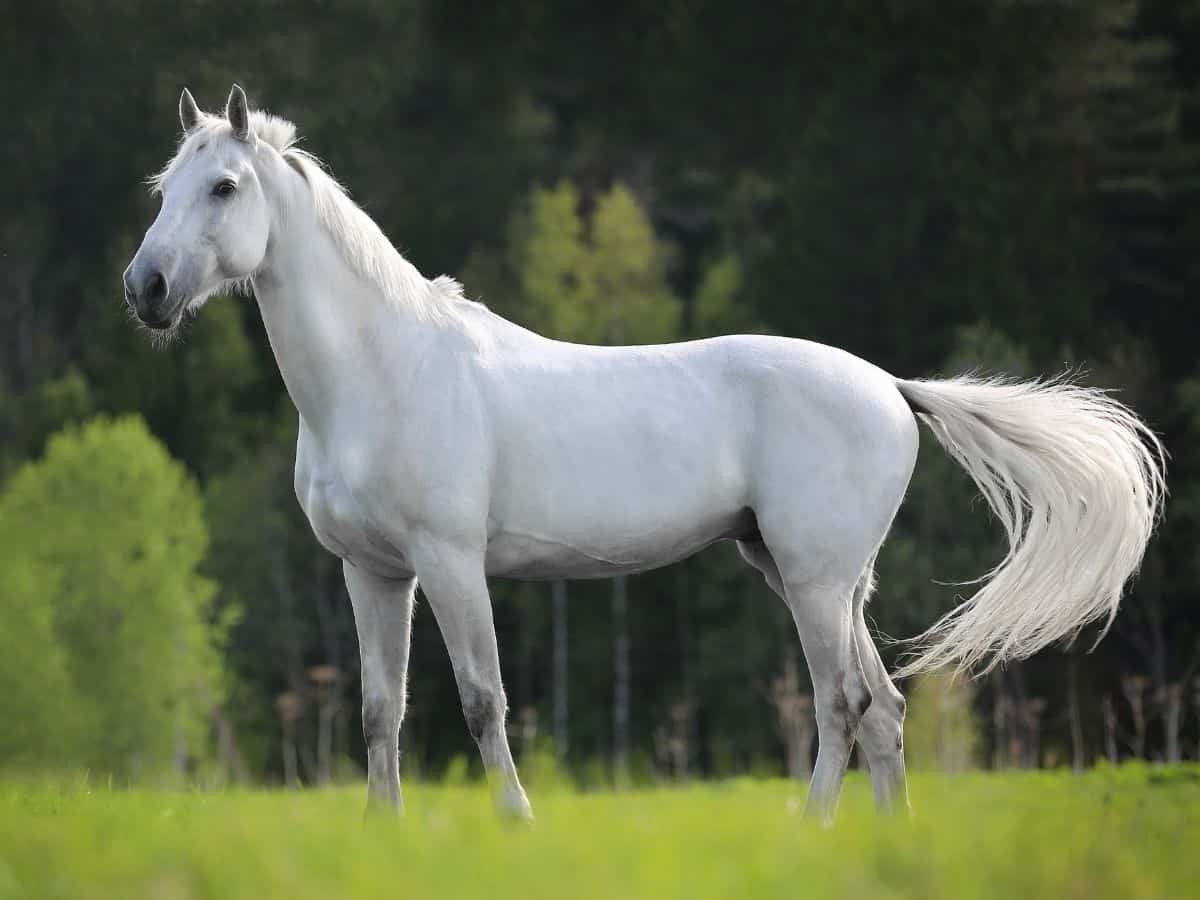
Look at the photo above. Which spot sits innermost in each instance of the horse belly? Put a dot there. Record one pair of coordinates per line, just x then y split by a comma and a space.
513, 554
589, 523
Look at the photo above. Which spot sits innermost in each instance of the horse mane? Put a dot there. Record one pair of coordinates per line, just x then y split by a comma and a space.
361, 242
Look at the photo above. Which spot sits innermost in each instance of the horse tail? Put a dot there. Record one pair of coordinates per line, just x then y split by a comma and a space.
1077, 481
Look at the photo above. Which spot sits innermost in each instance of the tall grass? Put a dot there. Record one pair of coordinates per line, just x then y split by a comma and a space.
1127, 833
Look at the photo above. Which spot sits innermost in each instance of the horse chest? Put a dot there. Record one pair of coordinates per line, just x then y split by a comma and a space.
340, 522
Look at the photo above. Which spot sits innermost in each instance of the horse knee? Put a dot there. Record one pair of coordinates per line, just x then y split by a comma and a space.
484, 708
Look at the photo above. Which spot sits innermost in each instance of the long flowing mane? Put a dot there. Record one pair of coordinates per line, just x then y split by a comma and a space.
363, 245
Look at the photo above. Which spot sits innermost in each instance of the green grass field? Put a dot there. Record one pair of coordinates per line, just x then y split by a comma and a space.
1128, 833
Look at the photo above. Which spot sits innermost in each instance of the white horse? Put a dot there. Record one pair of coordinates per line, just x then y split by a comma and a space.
441, 443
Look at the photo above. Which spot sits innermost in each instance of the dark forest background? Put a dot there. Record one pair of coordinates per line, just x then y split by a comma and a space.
1004, 184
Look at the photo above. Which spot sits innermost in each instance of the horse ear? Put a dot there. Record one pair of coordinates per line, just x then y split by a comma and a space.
189, 112
237, 111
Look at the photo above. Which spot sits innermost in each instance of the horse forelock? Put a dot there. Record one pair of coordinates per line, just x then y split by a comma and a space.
271, 130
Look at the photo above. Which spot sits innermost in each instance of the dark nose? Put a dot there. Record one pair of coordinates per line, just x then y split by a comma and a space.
148, 301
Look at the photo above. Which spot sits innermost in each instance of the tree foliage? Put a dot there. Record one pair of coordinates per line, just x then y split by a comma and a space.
942, 730
111, 622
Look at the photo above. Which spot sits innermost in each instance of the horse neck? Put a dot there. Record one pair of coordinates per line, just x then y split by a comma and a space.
323, 320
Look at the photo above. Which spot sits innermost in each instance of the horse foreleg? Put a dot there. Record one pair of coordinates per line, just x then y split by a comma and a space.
454, 584
383, 618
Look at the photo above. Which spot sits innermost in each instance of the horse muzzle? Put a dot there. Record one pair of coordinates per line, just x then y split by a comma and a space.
151, 300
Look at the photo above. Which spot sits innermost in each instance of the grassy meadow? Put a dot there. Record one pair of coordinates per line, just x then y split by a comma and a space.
1127, 833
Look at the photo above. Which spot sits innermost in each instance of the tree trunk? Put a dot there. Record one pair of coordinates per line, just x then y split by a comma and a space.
559, 595
674, 739
291, 768
289, 705
1077, 752
325, 716
1110, 730
328, 596
620, 680
1031, 719
1173, 720
1001, 709
1134, 689
794, 713
287, 605
227, 748
527, 729
683, 636
1018, 741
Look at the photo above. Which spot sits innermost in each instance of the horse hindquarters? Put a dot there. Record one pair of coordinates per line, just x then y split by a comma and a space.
827, 491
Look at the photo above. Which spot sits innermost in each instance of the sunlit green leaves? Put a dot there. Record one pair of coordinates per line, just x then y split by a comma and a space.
102, 539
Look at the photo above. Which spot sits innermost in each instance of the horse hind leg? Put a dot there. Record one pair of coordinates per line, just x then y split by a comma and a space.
841, 694
823, 612
881, 733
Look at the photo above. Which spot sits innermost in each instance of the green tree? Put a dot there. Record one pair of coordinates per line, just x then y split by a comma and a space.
268, 569
599, 281
549, 256
941, 732
38, 703
716, 305
632, 302
105, 534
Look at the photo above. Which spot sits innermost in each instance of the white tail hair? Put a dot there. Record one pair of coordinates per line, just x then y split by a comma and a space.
1077, 482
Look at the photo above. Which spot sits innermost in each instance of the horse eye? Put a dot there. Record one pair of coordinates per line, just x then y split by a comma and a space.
224, 188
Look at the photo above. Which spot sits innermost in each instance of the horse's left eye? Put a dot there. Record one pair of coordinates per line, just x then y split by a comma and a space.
224, 188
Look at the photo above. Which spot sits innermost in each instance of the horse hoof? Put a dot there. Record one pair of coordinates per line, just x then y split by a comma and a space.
516, 808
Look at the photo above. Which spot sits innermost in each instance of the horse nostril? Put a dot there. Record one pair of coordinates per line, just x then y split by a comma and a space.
156, 289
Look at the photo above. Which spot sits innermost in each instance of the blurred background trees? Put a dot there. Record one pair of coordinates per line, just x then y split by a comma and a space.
935, 187
111, 651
